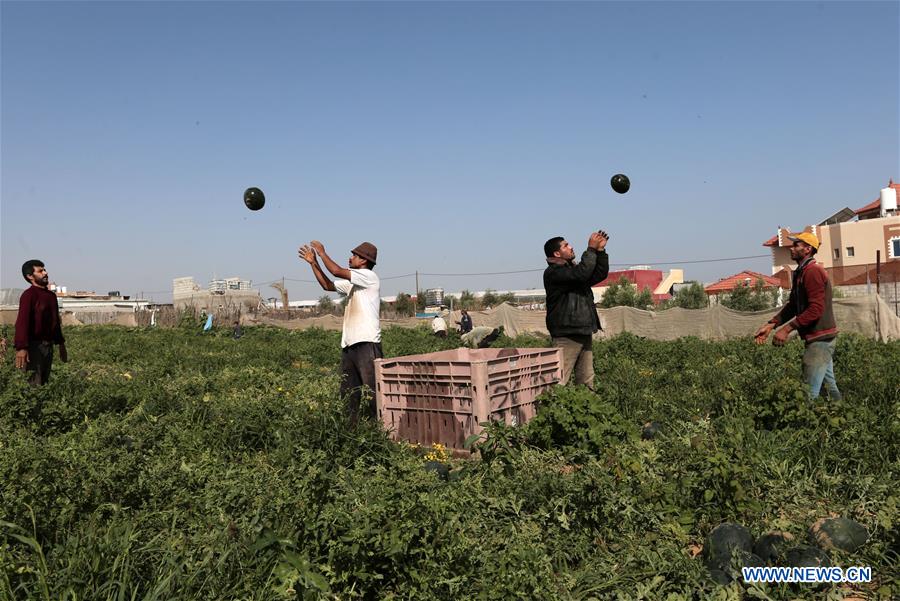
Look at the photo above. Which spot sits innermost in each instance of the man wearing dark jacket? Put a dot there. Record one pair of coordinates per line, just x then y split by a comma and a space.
571, 314
38, 325
808, 311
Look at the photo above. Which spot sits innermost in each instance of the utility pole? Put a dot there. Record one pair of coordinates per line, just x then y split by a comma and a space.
417, 292
877, 272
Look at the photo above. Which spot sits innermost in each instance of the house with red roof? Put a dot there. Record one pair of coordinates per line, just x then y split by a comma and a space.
744, 278
854, 244
643, 278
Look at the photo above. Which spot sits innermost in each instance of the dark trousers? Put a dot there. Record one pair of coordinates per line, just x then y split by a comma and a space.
358, 378
40, 360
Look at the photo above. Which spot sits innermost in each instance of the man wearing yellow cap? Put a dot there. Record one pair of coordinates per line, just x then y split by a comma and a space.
808, 311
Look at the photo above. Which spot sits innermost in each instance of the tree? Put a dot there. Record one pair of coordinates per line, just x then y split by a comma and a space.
625, 294
489, 299
467, 300
746, 298
691, 296
404, 304
620, 293
644, 299
325, 305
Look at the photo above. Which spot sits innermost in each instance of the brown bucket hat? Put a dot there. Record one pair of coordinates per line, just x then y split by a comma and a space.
367, 251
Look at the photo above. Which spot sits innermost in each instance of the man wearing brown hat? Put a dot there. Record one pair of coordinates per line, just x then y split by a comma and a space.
808, 311
361, 337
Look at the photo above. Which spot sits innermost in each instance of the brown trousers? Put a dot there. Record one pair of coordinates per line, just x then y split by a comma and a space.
577, 356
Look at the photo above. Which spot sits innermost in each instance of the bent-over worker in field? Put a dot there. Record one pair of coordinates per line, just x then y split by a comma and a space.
809, 311
361, 337
439, 326
481, 336
38, 326
571, 314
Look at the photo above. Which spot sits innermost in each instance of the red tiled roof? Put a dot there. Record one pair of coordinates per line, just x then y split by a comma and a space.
773, 241
739, 279
875, 204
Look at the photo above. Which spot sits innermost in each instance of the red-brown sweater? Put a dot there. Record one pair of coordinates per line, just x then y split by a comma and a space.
38, 318
810, 303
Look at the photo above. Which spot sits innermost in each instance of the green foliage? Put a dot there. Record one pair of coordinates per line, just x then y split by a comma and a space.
746, 298
159, 464
691, 296
325, 305
404, 305
625, 294
490, 299
574, 418
466, 300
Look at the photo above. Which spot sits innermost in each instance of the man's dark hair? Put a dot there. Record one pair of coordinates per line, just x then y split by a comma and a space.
552, 245
369, 264
28, 268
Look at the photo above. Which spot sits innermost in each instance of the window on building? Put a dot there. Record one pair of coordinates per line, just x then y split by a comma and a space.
895, 248
850, 252
837, 253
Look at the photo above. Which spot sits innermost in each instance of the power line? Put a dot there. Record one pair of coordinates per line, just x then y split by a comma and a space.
611, 264
512, 272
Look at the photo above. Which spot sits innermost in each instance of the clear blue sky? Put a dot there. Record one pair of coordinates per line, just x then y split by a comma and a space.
457, 137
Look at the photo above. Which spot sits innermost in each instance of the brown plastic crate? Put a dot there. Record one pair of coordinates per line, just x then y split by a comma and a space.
443, 396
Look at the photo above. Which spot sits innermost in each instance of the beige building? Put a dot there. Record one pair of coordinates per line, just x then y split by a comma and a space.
852, 244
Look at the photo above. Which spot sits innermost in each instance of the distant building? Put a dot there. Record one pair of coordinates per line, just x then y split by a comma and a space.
220, 294
219, 286
643, 278
850, 241
744, 278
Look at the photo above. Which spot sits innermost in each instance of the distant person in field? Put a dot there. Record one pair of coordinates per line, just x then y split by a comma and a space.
809, 311
237, 332
481, 336
439, 326
361, 337
465, 322
38, 325
571, 314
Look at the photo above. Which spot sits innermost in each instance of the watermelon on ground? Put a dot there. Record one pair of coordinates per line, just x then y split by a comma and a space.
772, 545
838, 533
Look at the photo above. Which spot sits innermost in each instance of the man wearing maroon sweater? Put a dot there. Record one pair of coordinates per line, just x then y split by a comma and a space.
38, 325
808, 311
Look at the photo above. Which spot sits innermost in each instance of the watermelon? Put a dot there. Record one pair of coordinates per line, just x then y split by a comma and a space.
441, 469
838, 533
806, 557
650, 430
772, 545
728, 548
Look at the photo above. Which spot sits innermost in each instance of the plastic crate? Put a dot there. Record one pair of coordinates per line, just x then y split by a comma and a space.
443, 397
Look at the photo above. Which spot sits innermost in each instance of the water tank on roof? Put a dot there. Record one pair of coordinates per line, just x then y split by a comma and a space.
434, 297
888, 200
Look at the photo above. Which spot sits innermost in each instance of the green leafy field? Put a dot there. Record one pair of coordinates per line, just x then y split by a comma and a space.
168, 465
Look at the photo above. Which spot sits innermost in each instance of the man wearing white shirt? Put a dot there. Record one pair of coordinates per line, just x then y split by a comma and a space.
361, 337
439, 326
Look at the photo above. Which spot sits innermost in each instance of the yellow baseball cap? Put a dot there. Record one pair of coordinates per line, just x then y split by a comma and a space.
807, 237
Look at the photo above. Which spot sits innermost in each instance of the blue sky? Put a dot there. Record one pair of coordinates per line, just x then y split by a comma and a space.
457, 137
